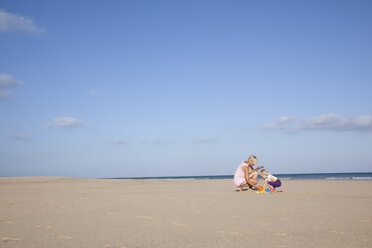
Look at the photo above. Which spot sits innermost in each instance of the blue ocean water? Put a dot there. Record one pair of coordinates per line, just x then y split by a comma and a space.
324, 176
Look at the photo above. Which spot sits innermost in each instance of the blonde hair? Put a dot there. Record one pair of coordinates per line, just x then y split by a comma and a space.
264, 173
253, 158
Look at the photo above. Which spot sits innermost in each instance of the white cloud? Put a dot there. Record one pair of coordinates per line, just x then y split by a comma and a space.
330, 122
46, 126
281, 123
204, 141
286, 120
10, 22
155, 142
21, 138
338, 123
119, 142
92, 92
8, 81
67, 122
4, 94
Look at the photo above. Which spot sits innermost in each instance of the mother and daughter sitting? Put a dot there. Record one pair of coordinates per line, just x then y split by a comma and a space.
247, 176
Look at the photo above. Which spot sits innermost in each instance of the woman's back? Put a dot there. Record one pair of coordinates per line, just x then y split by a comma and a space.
239, 174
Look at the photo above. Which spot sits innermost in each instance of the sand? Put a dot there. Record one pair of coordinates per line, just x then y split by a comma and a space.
71, 212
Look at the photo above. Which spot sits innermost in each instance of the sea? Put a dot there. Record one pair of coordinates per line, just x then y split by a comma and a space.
320, 176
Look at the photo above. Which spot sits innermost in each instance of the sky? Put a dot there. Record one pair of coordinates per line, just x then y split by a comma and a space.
183, 88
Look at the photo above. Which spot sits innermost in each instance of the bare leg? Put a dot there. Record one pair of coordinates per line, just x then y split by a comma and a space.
241, 187
252, 181
253, 178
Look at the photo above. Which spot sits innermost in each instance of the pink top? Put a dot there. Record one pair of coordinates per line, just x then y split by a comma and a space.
239, 178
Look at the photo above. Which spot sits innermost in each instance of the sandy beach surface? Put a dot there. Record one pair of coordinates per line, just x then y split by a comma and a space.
71, 212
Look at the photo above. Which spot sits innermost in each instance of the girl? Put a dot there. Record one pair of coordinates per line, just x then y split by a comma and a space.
270, 180
246, 175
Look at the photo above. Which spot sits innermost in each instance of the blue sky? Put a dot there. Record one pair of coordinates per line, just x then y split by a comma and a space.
171, 88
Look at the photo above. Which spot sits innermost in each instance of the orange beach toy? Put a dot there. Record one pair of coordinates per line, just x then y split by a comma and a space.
261, 190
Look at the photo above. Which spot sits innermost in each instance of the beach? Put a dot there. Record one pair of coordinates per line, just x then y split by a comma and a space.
40, 212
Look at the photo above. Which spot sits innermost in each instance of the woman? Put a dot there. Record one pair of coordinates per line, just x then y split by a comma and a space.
246, 175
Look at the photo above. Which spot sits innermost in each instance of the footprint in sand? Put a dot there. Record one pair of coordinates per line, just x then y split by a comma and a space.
7, 239
178, 224
7, 222
109, 246
280, 246
263, 223
336, 232
281, 234
63, 237
111, 213
283, 218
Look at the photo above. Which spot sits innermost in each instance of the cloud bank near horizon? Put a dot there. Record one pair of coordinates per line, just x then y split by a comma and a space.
323, 122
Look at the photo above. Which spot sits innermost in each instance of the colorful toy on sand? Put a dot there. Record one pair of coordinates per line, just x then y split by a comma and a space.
261, 190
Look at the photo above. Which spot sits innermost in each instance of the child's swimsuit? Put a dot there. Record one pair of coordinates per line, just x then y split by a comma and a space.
277, 183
